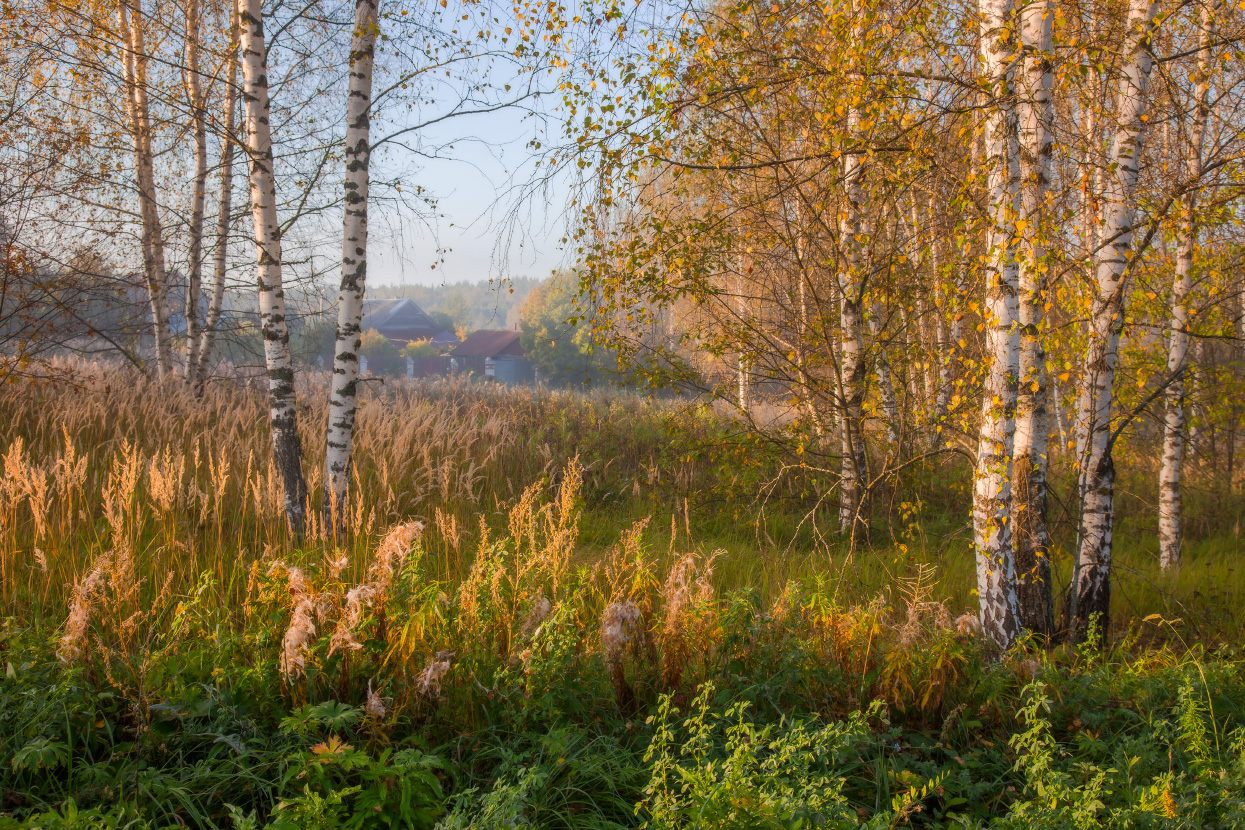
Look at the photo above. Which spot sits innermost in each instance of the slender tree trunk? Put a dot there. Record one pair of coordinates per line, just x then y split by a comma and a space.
1178, 350
343, 401
741, 360
807, 396
1091, 223
225, 204
198, 110
925, 332
1194, 424
886, 383
1056, 405
134, 64
1036, 116
992, 492
741, 373
1091, 579
950, 330
283, 413
926, 340
851, 288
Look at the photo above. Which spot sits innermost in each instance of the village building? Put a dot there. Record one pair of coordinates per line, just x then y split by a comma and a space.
403, 321
493, 353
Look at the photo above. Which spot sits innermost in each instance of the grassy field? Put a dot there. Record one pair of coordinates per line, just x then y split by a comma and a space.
563, 610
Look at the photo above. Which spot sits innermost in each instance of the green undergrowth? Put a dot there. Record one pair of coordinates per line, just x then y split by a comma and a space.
541, 693
610, 616
1090, 740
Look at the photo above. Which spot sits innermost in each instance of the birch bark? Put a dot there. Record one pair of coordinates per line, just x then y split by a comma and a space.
134, 66
1035, 112
992, 491
224, 209
850, 280
343, 402
949, 333
1091, 578
283, 415
1178, 346
198, 114
1090, 224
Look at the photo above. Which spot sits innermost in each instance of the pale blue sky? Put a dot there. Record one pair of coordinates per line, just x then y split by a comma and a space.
486, 233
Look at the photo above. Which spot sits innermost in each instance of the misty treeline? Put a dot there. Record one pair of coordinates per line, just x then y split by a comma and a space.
887, 229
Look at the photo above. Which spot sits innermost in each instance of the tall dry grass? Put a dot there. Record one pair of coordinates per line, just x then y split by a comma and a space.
184, 487
187, 483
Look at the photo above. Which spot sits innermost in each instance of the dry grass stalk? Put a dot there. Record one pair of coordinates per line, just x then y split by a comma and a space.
25, 480
164, 480
447, 526
916, 589
628, 568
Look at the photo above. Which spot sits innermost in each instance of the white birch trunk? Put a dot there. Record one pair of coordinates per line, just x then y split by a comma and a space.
1178, 346
950, 330
134, 65
850, 282
224, 205
992, 492
1194, 443
1056, 405
1090, 224
1091, 580
198, 113
283, 414
1035, 112
343, 402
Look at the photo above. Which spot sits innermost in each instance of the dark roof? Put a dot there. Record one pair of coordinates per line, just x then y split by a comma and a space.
444, 338
398, 319
490, 343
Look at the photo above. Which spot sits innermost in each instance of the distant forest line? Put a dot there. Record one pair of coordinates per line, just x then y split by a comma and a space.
484, 304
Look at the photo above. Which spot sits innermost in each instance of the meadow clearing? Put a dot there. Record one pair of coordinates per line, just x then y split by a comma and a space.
556, 609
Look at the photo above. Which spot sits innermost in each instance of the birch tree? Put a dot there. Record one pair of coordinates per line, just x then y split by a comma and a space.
851, 286
344, 396
134, 60
283, 414
1182, 284
197, 100
992, 491
1091, 577
224, 206
1035, 112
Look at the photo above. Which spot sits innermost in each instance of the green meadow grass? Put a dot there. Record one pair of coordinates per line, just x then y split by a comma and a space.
761, 670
